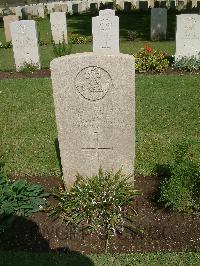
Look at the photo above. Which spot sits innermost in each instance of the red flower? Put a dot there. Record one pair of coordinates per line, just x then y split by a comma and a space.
148, 48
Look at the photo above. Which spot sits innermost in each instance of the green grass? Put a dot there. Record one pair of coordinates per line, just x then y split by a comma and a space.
140, 259
167, 113
82, 24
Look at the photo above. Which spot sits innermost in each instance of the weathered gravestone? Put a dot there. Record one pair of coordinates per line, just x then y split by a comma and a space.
109, 5
163, 4
25, 43
127, 6
75, 8
57, 8
105, 30
172, 5
187, 36
93, 7
94, 97
158, 23
143, 6
156, 4
40, 11
69, 7
7, 20
58, 27
189, 5
64, 8
18, 11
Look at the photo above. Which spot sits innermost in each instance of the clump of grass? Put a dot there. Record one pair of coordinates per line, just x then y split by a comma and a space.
98, 203
181, 190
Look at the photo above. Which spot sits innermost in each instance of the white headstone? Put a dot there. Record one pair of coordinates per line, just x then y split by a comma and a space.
18, 11
187, 36
105, 30
25, 43
40, 11
58, 27
69, 6
94, 97
64, 8
158, 23
7, 20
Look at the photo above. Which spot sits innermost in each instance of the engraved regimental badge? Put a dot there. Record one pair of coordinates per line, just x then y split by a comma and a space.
93, 83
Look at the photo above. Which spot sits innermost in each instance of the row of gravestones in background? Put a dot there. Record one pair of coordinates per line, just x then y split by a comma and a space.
105, 31
142, 5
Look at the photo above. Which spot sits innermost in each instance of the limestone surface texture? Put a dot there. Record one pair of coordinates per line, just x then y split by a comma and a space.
25, 43
94, 98
58, 27
187, 36
105, 30
7, 20
158, 23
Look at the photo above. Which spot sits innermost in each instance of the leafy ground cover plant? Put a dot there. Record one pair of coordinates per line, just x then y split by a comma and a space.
98, 204
147, 59
18, 198
181, 190
62, 49
188, 64
29, 67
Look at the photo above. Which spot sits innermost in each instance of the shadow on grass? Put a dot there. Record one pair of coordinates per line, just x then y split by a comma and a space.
81, 24
163, 172
21, 243
133, 21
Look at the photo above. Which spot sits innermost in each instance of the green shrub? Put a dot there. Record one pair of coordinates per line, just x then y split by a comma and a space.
18, 198
188, 64
181, 191
97, 204
132, 35
148, 60
75, 38
62, 49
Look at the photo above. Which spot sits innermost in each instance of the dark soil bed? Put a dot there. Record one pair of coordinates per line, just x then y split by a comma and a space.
162, 230
46, 73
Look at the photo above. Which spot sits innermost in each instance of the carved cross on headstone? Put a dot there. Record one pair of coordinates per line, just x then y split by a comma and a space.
97, 147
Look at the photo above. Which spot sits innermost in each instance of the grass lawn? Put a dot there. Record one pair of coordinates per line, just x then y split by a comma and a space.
167, 113
140, 259
82, 24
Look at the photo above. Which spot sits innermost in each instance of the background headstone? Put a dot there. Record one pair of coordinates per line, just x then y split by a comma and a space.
25, 43
158, 24
41, 11
75, 8
187, 36
94, 99
58, 27
127, 6
172, 5
7, 20
93, 7
105, 30
143, 6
